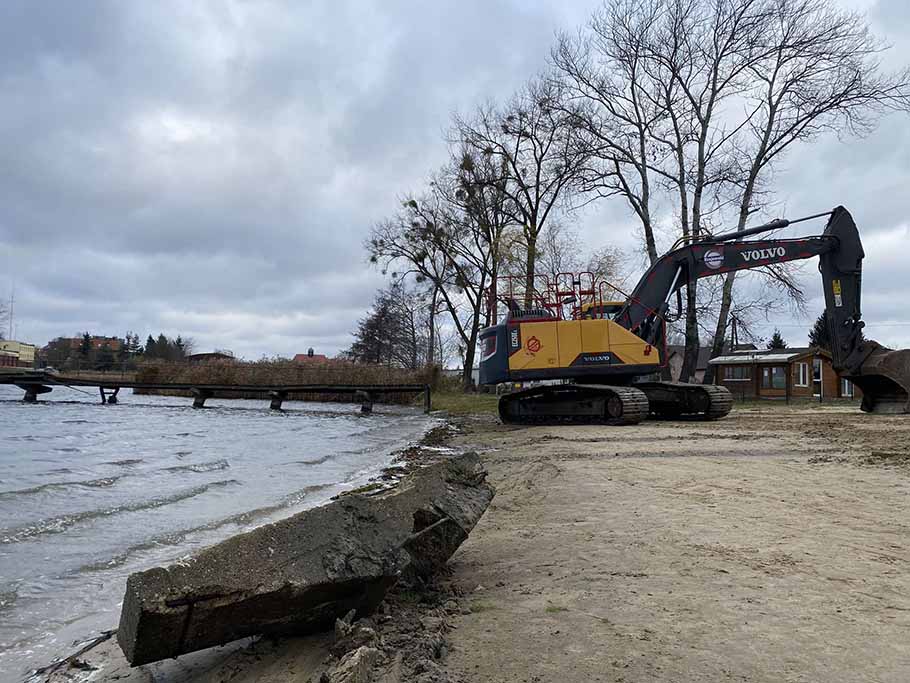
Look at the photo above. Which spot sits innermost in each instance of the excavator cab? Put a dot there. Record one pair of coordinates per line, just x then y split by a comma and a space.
600, 310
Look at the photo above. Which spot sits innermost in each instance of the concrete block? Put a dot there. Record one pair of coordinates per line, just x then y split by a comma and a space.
300, 574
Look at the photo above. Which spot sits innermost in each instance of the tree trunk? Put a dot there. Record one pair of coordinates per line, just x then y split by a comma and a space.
690, 357
530, 266
726, 301
466, 376
492, 301
431, 342
720, 333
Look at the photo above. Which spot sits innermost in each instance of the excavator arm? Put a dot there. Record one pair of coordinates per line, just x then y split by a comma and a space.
882, 374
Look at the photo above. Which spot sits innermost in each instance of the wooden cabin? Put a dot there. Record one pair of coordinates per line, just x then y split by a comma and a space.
782, 373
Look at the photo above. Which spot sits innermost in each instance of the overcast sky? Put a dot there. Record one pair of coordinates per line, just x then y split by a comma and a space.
210, 169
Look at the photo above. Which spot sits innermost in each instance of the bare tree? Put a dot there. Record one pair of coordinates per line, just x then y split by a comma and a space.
394, 331
821, 74
608, 95
690, 102
535, 145
561, 251
451, 238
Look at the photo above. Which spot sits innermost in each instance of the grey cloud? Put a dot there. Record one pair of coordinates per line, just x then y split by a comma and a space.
212, 168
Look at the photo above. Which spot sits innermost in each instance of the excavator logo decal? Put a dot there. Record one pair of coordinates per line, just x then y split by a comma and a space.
714, 259
759, 254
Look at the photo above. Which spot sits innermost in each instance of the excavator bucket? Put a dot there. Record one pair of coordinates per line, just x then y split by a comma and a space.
884, 378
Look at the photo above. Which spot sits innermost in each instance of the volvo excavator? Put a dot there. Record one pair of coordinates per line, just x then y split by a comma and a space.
605, 350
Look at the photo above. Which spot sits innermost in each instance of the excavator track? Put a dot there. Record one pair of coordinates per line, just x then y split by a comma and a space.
682, 401
574, 404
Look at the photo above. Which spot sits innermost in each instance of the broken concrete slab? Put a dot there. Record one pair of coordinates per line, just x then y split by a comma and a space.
298, 575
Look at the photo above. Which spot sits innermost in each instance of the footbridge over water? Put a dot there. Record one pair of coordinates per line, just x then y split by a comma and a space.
37, 382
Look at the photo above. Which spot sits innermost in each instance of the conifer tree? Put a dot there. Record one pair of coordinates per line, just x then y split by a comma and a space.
777, 341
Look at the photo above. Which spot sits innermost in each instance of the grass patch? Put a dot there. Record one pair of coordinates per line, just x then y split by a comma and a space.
481, 606
459, 403
367, 488
553, 609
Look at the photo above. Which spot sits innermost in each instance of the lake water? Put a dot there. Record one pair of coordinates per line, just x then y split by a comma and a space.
90, 493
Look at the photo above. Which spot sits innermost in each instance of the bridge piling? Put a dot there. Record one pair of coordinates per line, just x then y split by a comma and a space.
277, 399
199, 397
366, 402
32, 391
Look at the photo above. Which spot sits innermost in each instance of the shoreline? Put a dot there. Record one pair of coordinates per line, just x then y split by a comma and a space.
763, 547
100, 655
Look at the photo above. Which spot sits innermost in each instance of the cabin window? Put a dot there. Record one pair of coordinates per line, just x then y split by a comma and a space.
774, 378
846, 388
737, 373
489, 347
802, 374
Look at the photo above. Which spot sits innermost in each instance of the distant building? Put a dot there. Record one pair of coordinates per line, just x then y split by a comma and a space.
311, 357
17, 354
113, 343
778, 373
676, 354
75, 343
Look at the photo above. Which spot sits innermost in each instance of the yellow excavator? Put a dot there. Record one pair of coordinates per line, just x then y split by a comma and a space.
604, 350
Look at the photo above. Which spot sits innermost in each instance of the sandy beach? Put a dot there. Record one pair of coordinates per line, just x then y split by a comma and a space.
768, 546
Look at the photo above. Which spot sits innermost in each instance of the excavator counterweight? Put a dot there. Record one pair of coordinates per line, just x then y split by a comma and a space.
598, 351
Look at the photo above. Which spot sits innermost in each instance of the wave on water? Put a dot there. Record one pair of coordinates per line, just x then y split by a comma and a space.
129, 462
104, 482
213, 466
56, 525
317, 461
7, 598
176, 538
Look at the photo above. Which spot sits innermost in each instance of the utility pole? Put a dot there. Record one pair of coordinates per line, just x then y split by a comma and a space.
12, 300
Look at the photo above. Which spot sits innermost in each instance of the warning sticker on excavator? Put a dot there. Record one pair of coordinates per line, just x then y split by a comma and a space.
534, 345
838, 299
